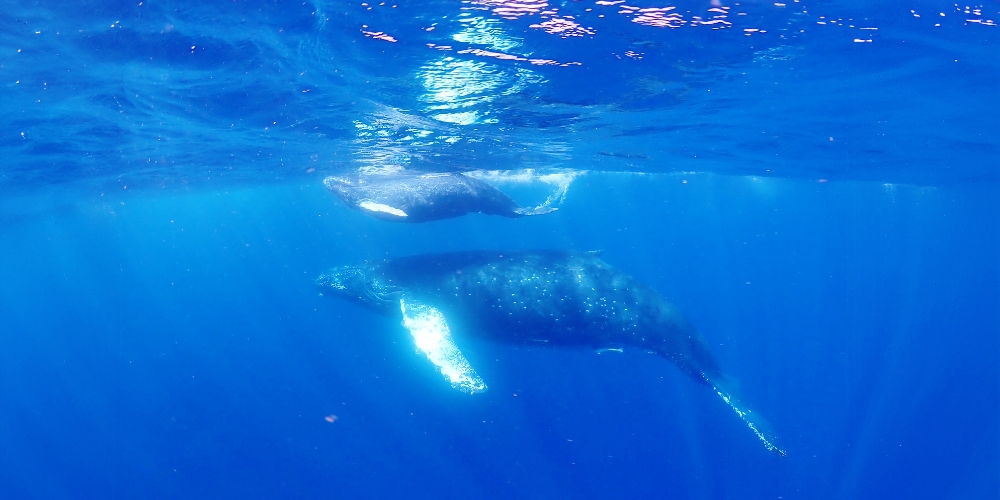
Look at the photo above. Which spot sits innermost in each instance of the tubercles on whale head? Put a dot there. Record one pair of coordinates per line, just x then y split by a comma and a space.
339, 185
341, 279
332, 182
360, 284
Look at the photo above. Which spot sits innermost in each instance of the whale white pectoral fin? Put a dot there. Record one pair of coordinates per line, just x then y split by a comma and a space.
539, 210
372, 206
755, 422
432, 337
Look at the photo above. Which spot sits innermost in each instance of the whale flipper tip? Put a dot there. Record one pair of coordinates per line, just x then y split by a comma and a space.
539, 210
755, 422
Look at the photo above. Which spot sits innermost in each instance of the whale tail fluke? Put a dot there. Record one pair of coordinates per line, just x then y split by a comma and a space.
754, 421
539, 210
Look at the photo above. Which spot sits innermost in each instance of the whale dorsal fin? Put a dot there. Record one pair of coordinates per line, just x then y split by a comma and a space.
430, 332
610, 349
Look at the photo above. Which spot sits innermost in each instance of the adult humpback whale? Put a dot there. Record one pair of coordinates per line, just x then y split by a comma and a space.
562, 298
425, 197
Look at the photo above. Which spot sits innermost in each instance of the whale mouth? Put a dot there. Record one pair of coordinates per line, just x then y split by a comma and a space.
360, 284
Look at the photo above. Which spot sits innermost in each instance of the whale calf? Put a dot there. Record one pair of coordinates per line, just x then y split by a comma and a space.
560, 298
410, 197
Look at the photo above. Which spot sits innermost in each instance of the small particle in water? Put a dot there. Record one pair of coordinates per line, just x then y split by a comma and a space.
330, 418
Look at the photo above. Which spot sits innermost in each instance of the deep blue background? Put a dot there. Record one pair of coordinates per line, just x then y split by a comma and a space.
172, 345
162, 220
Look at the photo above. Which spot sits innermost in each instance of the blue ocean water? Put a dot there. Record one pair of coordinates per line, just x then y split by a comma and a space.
815, 184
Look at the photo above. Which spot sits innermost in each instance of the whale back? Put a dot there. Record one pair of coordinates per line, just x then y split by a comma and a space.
422, 197
558, 298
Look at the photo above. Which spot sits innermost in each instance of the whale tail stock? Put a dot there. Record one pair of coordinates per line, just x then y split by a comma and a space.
756, 423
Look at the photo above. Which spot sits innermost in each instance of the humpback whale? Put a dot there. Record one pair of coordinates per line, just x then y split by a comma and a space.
425, 197
561, 298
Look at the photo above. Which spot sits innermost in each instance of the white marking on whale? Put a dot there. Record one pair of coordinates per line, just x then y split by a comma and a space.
371, 206
433, 338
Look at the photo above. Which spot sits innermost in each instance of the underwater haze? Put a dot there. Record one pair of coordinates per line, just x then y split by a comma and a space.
814, 184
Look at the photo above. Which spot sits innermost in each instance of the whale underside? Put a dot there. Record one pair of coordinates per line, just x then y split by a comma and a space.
561, 298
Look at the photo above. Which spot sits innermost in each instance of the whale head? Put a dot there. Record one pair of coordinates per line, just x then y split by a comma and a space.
362, 284
341, 186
